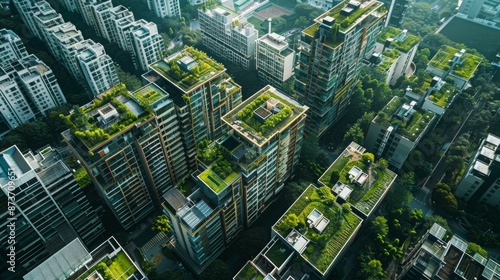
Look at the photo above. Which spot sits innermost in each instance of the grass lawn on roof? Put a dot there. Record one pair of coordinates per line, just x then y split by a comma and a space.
249, 273
322, 248
213, 180
465, 70
120, 267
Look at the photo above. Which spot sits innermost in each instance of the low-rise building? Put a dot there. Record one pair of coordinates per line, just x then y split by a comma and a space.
437, 256
397, 129
480, 179
394, 52
455, 64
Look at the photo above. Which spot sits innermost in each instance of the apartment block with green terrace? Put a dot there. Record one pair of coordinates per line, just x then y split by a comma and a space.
202, 93
454, 63
115, 138
330, 55
360, 183
397, 129
394, 52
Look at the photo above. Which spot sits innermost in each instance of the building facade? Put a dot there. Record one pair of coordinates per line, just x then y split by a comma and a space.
50, 208
396, 130
148, 45
397, 11
339, 39
165, 8
274, 59
480, 179
11, 47
229, 36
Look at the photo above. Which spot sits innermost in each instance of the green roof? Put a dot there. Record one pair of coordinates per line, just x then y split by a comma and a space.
243, 119
121, 109
342, 21
202, 69
365, 197
401, 42
278, 253
248, 272
120, 267
464, 70
215, 182
410, 129
323, 249
442, 97
149, 94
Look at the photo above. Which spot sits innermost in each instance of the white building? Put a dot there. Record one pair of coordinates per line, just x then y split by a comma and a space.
228, 36
11, 47
323, 4
482, 170
148, 45
274, 59
14, 106
165, 8
97, 67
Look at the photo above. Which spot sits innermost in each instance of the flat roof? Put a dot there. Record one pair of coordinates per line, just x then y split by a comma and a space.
241, 118
495, 140
481, 167
403, 40
194, 215
465, 69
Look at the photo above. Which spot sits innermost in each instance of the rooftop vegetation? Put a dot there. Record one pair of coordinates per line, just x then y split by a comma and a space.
148, 95
401, 44
119, 267
242, 117
410, 129
222, 170
205, 69
464, 70
249, 273
83, 123
322, 248
365, 197
278, 253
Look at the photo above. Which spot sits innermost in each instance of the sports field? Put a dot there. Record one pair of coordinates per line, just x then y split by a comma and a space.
484, 39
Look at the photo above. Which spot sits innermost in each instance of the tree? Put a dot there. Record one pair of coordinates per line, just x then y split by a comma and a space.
444, 198
354, 134
346, 207
473, 248
131, 82
368, 157
380, 226
372, 270
301, 22
218, 269
290, 221
382, 164
161, 224
424, 169
334, 178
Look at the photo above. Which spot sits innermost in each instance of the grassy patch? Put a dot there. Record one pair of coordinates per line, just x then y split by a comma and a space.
278, 253
212, 180
337, 166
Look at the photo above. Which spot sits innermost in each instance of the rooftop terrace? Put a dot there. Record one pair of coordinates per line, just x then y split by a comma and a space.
410, 121
264, 114
188, 69
403, 41
249, 272
465, 69
363, 196
115, 111
442, 96
345, 15
321, 250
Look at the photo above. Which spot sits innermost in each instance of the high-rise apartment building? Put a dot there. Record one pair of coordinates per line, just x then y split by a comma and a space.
68, 46
50, 208
397, 11
128, 144
229, 36
28, 87
97, 67
202, 93
238, 176
331, 52
397, 129
323, 4
11, 47
148, 45
274, 59
165, 8
480, 179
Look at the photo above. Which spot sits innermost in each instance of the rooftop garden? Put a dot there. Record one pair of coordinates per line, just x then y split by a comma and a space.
443, 96
119, 267
148, 95
84, 121
400, 43
364, 197
249, 273
222, 170
243, 118
464, 70
278, 253
202, 69
410, 129
322, 249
